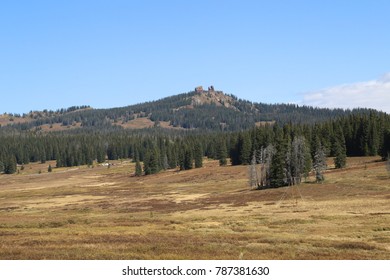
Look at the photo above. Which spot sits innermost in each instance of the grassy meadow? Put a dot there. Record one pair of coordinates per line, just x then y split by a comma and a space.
207, 213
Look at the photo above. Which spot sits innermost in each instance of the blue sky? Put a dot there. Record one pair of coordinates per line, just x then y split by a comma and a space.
55, 54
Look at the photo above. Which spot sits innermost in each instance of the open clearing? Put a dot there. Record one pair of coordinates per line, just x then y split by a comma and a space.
207, 213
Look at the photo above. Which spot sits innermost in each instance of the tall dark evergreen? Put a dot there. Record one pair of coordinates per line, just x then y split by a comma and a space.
277, 168
339, 148
319, 162
138, 168
198, 155
151, 162
385, 151
222, 153
365, 132
241, 151
188, 159
10, 165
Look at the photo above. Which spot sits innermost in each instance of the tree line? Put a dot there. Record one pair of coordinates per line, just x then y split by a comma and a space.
281, 154
180, 111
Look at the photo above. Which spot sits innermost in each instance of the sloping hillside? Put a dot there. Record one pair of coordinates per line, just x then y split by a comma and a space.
210, 110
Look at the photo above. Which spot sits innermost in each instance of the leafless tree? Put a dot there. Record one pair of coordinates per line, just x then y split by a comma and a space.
253, 182
260, 167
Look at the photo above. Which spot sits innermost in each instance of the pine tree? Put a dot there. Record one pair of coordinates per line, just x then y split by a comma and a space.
198, 155
319, 163
165, 164
340, 159
10, 165
340, 151
188, 159
244, 148
100, 154
138, 168
42, 155
181, 159
49, 169
222, 153
147, 168
385, 151
277, 168
151, 162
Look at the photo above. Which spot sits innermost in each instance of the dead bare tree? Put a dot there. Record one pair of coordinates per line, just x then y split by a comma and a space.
259, 169
253, 181
298, 159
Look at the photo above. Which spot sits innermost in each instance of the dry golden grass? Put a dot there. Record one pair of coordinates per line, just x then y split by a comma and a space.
207, 213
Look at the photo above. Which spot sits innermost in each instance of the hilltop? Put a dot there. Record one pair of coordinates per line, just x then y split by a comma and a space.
209, 110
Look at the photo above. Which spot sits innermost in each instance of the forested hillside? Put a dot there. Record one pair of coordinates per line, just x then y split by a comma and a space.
219, 126
206, 111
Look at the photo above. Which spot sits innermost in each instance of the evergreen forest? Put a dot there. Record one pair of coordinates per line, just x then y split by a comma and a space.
281, 152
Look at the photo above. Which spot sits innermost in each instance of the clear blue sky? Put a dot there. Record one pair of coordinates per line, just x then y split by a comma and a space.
56, 54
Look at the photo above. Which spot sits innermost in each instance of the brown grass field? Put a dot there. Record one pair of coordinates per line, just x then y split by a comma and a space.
207, 213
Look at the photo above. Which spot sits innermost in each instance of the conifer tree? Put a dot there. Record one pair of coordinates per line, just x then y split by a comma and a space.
10, 165
277, 172
138, 168
385, 151
244, 148
165, 163
339, 148
277, 168
188, 159
222, 153
198, 155
319, 163
151, 162
181, 159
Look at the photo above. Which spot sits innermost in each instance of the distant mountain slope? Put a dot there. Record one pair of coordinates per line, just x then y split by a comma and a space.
200, 109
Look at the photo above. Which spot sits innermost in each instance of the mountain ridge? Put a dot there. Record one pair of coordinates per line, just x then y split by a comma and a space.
211, 110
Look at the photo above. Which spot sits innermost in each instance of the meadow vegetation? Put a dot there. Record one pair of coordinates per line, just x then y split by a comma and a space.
205, 213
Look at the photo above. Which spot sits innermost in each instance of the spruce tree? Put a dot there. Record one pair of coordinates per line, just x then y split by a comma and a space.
198, 155
138, 168
147, 168
244, 148
319, 163
385, 151
277, 168
151, 162
222, 153
340, 151
188, 159
181, 159
277, 174
49, 169
10, 165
